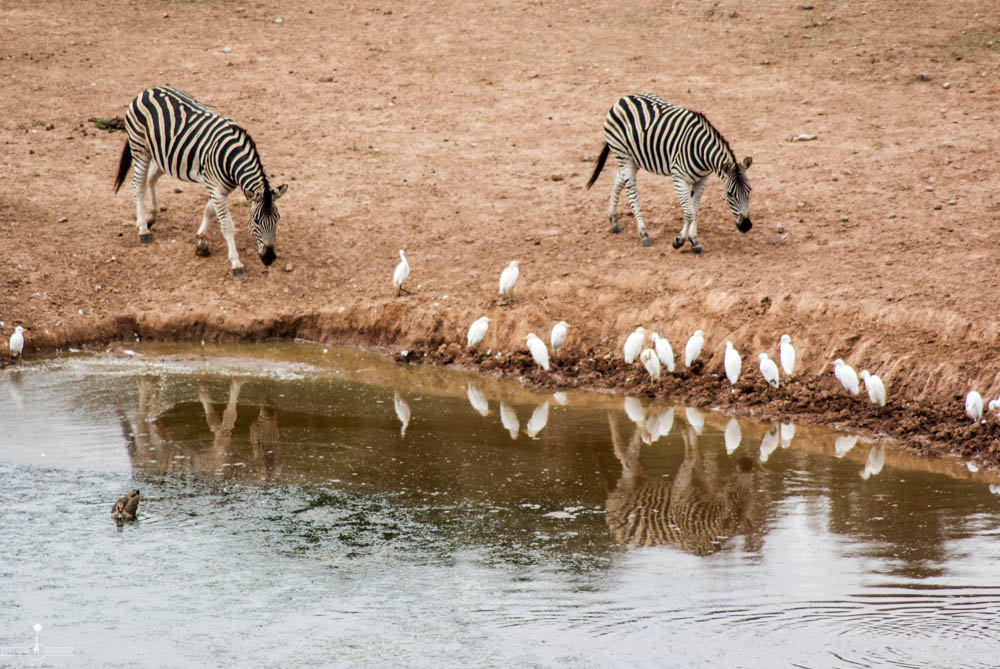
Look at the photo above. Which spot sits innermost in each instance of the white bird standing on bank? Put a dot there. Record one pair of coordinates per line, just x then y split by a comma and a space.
633, 344
664, 351
693, 348
400, 274
875, 387
651, 362
786, 353
558, 336
477, 331
17, 343
539, 353
508, 277
994, 405
974, 405
847, 376
769, 370
733, 363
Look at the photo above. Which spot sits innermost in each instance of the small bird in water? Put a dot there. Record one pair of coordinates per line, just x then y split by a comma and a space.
769, 370
17, 343
126, 508
786, 353
664, 351
974, 405
650, 362
847, 376
693, 348
508, 277
558, 336
874, 386
477, 331
539, 353
400, 275
633, 344
733, 363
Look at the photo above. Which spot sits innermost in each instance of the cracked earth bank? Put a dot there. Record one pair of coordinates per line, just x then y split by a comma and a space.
464, 133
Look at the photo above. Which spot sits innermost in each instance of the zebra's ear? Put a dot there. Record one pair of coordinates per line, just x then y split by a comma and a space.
747, 162
279, 191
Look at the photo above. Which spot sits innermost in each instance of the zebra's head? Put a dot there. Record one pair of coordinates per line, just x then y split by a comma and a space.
738, 192
264, 220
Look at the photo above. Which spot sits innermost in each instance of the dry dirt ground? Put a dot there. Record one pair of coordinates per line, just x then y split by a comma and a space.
464, 133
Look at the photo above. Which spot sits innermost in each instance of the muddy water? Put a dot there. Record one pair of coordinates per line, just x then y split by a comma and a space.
313, 508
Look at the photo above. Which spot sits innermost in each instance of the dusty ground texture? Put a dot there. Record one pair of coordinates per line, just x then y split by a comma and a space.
464, 133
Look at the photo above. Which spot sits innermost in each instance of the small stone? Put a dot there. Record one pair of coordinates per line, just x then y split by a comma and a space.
240, 10
289, 267
557, 177
63, 220
227, 49
178, 190
946, 84
279, 20
937, 206
845, 219
780, 228
803, 138
923, 76
806, 7
952, 202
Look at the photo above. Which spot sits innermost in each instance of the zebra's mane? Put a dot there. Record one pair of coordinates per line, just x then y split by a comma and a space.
268, 203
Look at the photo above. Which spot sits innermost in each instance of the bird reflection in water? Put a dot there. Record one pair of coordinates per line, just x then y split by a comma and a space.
875, 462
509, 420
402, 412
539, 419
695, 511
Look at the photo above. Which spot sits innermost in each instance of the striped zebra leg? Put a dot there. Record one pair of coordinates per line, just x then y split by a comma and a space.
152, 177
633, 200
228, 229
684, 192
140, 168
616, 190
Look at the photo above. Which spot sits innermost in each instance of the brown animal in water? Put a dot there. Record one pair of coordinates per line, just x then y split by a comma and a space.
126, 508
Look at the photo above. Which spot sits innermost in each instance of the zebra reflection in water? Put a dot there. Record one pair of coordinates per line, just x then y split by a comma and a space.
694, 511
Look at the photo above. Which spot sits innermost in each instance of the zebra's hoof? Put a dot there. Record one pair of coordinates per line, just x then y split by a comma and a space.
238, 271
646, 241
696, 249
678, 242
146, 238
201, 249
615, 229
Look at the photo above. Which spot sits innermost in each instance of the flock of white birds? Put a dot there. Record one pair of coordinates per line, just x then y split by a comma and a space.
660, 355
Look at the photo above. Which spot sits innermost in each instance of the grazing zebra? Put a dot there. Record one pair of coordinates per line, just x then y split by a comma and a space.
169, 132
662, 138
690, 511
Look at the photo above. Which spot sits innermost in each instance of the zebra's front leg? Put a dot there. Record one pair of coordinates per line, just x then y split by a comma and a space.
140, 168
633, 200
616, 190
228, 231
690, 229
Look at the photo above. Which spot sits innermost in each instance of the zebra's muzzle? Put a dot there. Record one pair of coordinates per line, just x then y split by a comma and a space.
744, 225
268, 256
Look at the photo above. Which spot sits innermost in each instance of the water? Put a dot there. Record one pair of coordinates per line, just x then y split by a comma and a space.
289, 519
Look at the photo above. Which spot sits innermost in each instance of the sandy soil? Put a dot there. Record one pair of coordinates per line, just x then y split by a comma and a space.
464, 133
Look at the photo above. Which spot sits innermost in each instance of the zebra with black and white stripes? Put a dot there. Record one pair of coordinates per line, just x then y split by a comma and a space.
644, 131
170, 132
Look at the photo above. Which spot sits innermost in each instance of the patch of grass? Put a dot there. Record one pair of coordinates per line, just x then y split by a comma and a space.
973, 42
110, 124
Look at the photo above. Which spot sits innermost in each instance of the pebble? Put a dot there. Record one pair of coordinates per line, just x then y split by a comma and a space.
227, 49
803, 138
937, 206
279, 20
946, 84
953, 202
780, 228
63, 220
289, 267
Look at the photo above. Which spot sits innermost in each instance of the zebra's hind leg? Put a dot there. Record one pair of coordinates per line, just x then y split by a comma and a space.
616, 190
140, 168
633, 200
201, 249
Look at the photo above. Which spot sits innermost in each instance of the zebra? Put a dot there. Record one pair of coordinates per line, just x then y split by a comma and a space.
170, 132
644, 131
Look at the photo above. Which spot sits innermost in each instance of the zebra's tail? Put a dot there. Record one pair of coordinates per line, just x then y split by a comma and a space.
123, 166
600, 165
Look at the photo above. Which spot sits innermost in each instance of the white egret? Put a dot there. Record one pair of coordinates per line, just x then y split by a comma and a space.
843, 445
787, 433
695, 419
875, 462
769, 370
693, 348
478, 400
558, 336
734, 435
733, 363
651, 362
768, 445
509, 420
974, 405
634, 410
477, 331
539, 419
664, 351
633, 344
539, 353
994, 405
508, 277
400, 275
874, 386
402, 412
847, 376
17, 343
786, 353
